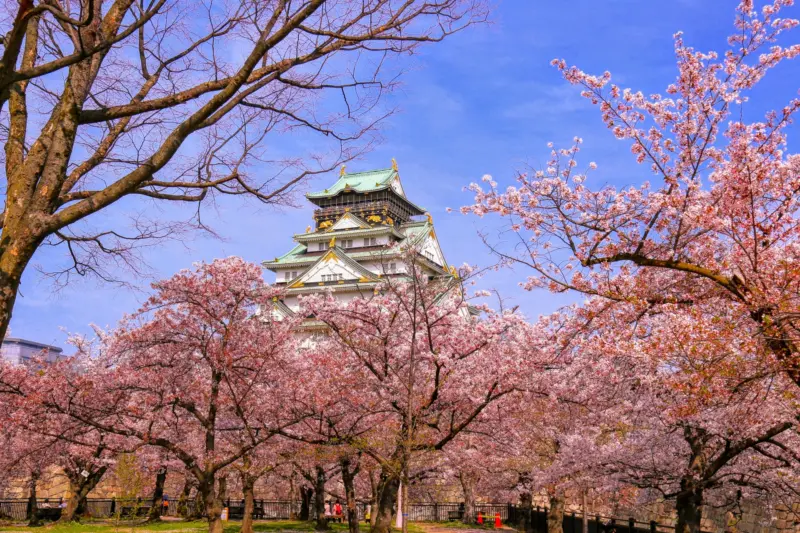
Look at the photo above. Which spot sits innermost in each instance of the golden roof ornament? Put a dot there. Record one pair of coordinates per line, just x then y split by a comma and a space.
308, 229
394, 164
342, 170
332, 243
430, 218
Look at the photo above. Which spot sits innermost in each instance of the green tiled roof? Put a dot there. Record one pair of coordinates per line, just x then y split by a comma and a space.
346, 234
372, 180
413, 232
310, 259
291, 256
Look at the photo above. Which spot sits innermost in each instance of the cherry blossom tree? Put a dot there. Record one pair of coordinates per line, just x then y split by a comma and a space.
709, 245
43, 433
413, 364
199, 373
23, 455
695, 414
718, 225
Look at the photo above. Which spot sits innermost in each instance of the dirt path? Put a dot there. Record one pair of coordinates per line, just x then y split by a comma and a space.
436, 528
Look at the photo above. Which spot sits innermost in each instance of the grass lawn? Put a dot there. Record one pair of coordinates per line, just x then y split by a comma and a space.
457, 524
272, 526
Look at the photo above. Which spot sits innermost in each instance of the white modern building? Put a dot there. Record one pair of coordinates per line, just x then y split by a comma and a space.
22, 352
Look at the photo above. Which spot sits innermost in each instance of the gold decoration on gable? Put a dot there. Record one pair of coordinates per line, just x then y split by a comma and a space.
326, 224
394, 164
341, 171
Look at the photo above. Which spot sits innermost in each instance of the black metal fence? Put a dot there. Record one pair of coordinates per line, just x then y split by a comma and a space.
514, 515
264, 509
443, 512
13, 509
17, 510
573, 523
50, 509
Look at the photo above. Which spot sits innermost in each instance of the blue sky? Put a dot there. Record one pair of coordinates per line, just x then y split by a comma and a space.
484, 102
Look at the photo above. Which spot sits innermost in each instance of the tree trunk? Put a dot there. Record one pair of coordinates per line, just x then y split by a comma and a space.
468, 482
585, 507
199, 507
555, 515
183, 499
33, 508
158, 496
319, 499
348, 478
404, 508
213, 503
292, 493
306, 493
388, 488
688, 506
373, 504
15, 253
526, 510
247, 488
80, 487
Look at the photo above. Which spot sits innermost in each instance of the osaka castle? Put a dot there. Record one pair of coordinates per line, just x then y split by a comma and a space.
361, 224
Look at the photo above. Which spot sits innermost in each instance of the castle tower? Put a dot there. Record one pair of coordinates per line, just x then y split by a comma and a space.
350, 246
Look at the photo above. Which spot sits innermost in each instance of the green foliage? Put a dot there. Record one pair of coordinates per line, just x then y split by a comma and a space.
128, 473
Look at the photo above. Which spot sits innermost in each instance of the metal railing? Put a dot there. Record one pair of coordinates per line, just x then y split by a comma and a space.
18, 510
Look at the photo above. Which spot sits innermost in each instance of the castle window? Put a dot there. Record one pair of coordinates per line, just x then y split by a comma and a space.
340, 277
392, 267
372, 241
322, 246
348, 243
